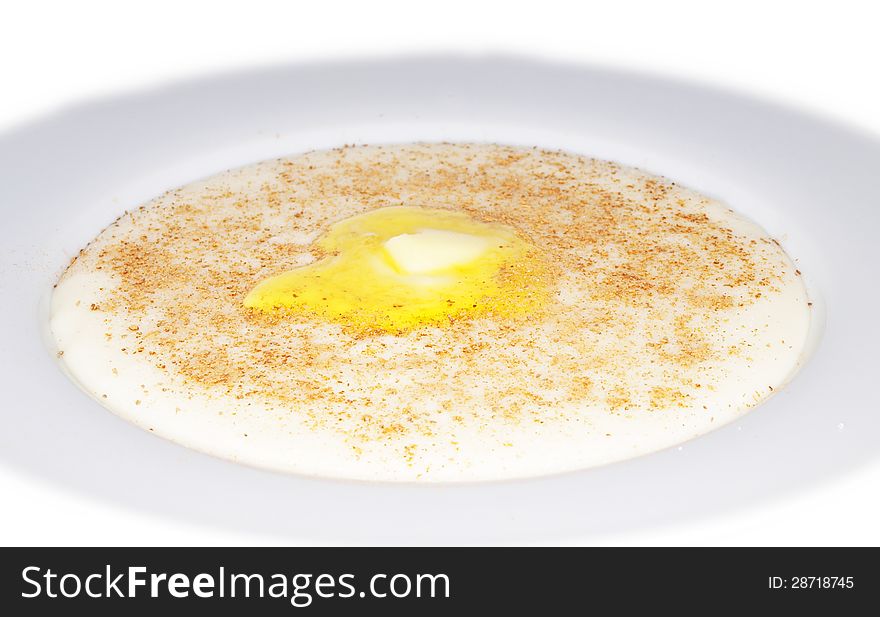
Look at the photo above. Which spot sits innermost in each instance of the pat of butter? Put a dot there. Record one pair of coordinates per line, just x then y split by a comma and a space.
398, 268
434, 250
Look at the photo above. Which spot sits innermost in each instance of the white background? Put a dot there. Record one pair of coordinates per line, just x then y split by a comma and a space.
821, 57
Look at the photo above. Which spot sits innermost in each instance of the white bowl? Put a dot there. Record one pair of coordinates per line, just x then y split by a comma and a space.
810, 183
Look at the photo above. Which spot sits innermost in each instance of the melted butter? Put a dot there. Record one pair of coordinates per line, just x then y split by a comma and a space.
398, 268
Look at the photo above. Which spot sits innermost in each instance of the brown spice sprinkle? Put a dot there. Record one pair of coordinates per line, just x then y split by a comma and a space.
645, 272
